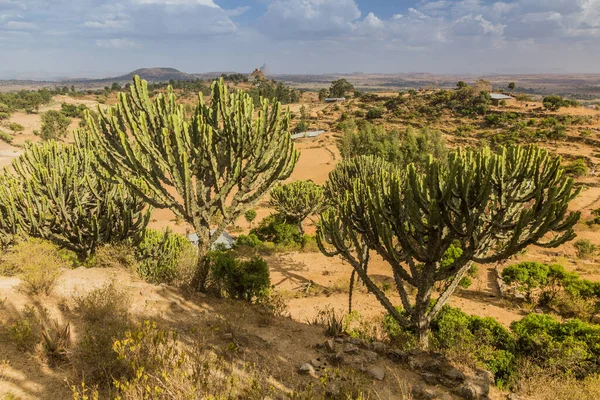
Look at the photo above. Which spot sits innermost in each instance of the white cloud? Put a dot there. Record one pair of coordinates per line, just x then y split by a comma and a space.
309, 19
117, 43
109, 24
20, 26
207, 3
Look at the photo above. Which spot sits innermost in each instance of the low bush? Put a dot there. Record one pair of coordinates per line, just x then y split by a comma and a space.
24, 333
572, 347
576, 168
159, 255
105, 315
38, 264
249, 241
585, 249
239, 279
375, 113
276, 229
5, 137
114, 255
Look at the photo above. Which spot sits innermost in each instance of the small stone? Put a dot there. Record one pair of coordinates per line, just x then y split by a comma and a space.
228, 336
355, 341
350, 348
307, 369
416, 352
378, 347
471, 391
454, 375
376, 372
397, 355
430, 379
337, 358
330, 345
423, 393
339, 340
370, 356
415, 363
315, 362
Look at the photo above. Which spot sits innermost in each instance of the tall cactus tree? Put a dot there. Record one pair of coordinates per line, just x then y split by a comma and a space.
297, 201
219, 161
9, 221
53, 193
430, 225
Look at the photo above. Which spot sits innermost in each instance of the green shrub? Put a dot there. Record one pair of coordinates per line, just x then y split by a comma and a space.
250, 241
72, 110
5, 137
526, 276
25, 332
250, 216
375, 113
276, 229
570, 347
596, 217
576, 168
159, 254
244, 280
16, 127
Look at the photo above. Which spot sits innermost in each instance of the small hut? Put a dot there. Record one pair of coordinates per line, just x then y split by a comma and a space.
498, 98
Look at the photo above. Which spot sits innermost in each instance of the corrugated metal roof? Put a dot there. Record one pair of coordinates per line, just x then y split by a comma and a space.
225, 240
499, 96
307, 134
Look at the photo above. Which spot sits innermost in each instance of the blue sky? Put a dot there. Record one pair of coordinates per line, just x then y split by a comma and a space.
104, 37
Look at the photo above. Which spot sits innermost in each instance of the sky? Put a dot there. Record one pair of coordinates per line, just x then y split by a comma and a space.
98, 38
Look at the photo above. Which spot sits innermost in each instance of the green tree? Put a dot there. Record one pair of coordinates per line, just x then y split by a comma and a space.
512, 86
55, 194
55, 125
323, 94
250, 216
340, 87
297, 201
415, 146
462, 84
430, 225
220, 161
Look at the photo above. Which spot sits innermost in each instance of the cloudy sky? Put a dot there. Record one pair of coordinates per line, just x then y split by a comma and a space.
103, 37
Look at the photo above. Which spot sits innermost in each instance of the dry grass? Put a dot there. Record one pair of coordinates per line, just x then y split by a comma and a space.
38, 264
105, 316
117, 255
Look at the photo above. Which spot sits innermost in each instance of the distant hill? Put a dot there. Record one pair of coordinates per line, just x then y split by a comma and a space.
149, 74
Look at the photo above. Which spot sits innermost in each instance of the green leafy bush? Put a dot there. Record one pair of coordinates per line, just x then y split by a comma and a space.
576, 168
526, 276
375, 113
159, 254
5, 137
570, 347
244, 280
250, 240
275, 228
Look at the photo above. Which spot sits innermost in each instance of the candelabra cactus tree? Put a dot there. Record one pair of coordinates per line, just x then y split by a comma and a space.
297, 201
431, 224
219, 161
53, 193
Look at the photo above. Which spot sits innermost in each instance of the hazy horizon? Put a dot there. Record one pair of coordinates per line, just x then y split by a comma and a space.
45, 39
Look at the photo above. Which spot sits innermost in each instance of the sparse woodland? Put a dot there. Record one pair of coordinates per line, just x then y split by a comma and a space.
435, 246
